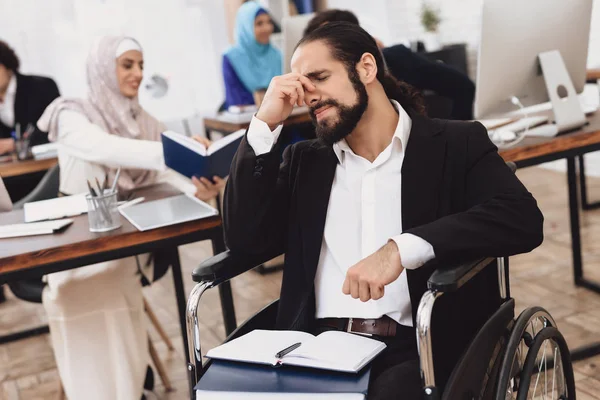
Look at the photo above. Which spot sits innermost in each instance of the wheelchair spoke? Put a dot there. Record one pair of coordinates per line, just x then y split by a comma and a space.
537, 378
554, 370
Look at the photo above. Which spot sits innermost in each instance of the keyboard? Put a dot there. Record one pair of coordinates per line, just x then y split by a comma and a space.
525, 123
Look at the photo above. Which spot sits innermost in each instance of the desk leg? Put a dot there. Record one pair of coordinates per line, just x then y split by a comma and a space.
591, 349
585, 205
181, 298
574, 220
225, 293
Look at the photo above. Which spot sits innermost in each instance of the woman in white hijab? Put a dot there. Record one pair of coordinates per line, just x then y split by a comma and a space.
96, 313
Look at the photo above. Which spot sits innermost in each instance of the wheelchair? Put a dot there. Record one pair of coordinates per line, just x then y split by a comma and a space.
506, 358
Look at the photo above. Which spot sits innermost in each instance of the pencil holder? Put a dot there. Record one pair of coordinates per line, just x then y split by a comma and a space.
103, 215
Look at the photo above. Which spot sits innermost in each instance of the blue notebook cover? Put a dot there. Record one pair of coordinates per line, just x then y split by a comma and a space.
190, 163
229, 376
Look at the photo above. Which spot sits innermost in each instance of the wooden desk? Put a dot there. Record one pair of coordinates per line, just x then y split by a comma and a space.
218, 125
534, 151
16, 168
33, 256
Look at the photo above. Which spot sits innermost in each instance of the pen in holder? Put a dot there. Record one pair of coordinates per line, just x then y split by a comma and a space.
23, 141
103, 215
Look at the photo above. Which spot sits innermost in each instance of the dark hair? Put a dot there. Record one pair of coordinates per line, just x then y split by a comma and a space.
327, 16
348, 42
8, 58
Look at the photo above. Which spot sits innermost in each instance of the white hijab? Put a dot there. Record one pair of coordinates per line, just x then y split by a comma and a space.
106, 106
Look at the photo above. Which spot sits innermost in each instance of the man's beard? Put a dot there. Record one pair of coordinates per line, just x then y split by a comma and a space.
348, 116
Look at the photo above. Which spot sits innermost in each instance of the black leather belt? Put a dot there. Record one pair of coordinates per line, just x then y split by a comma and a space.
384, 326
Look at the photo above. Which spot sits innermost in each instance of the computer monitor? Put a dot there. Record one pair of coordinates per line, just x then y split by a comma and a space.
293, 30
519, 40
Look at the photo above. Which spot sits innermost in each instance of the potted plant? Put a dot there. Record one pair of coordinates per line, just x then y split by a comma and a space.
430, 19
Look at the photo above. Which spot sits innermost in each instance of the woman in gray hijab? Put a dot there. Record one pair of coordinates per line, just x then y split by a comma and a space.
96, 313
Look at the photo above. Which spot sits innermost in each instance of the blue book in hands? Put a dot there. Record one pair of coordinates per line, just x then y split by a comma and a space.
191, 158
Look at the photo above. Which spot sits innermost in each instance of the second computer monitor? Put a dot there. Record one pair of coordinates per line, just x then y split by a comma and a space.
513, 34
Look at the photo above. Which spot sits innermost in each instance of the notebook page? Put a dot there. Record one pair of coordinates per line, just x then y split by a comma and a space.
336, 350
186, 142
219, 144
259, 346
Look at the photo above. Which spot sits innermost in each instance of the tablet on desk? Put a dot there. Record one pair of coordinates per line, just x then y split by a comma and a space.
168, 211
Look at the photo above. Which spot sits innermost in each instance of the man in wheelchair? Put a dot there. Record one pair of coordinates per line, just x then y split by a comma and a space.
369, 209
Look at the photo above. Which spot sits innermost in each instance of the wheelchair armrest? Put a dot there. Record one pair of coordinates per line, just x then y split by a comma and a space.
450, 279
226, 266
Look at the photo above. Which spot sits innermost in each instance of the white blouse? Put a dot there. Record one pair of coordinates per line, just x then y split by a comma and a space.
85, 148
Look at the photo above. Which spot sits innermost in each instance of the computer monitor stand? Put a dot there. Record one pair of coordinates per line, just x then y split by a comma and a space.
568, 114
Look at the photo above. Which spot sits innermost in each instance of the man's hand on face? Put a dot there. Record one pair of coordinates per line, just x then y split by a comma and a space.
366, 280
283, 93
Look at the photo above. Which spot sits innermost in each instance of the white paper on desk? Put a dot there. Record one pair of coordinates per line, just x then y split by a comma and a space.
32, 229
45, 151
61, 207
246, 117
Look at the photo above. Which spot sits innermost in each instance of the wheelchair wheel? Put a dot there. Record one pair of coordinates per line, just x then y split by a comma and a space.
522, 337
547, 373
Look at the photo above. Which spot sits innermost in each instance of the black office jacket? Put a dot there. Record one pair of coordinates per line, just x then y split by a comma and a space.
34, 94
457, 194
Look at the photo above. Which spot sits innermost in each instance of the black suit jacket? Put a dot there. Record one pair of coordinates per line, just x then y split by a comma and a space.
34, 94
457, 194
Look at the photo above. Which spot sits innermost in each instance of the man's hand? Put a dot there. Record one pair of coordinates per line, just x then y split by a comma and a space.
366, 280
284, 91
7, 146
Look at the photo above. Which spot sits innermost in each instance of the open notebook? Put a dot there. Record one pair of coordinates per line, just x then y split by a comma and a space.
332, 350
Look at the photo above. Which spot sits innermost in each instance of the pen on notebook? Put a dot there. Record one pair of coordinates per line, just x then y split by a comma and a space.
114, 185
288, 350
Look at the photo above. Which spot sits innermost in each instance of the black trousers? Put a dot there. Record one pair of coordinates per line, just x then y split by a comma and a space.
395, 373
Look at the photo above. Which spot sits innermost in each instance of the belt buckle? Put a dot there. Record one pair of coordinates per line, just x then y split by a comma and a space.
349, 329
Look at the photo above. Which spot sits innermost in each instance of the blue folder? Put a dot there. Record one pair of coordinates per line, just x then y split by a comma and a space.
229, 376
189, 163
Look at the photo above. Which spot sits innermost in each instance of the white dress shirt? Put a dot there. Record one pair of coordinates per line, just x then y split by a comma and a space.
364, 212
7, 107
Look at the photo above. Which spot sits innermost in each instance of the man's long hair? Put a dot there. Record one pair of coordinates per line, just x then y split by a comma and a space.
348, 42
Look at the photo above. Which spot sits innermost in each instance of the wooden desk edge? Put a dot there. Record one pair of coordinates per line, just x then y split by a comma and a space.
11, 169
25, 261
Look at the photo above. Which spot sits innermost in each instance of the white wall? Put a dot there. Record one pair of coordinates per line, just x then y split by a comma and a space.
182, 40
